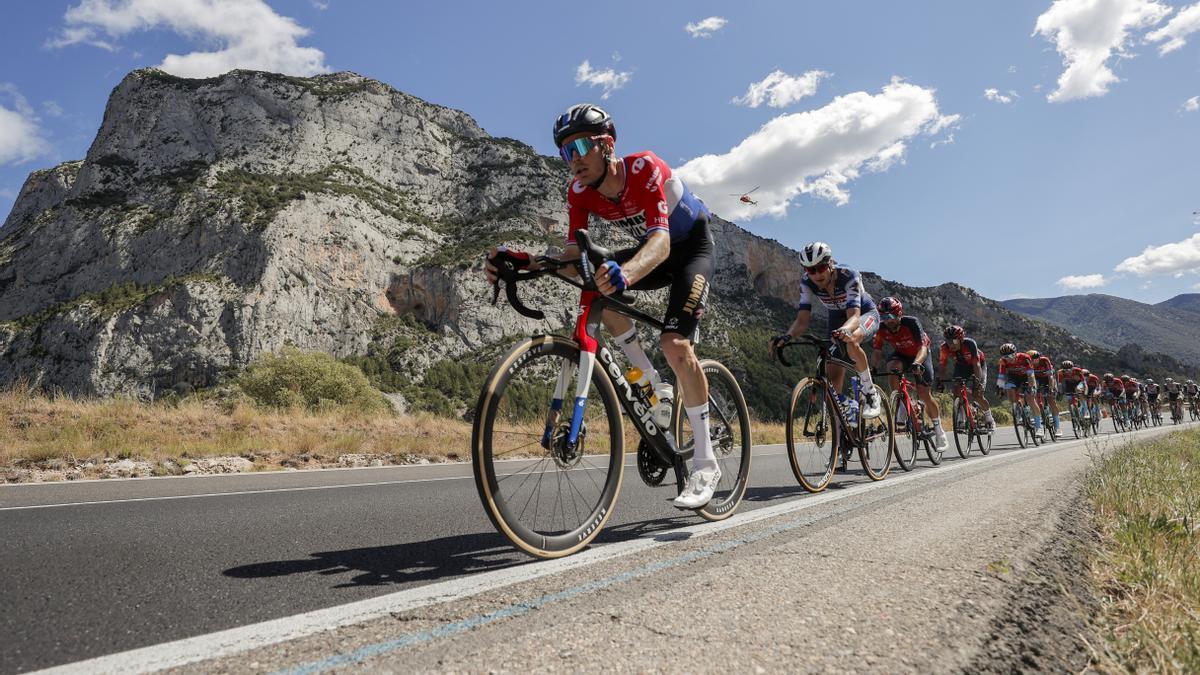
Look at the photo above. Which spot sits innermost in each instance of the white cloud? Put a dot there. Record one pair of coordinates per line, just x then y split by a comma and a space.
249, 34
1186, 22
1147, 285
1087, 33
1081, 281
1175, 259
995, 96
608, 79
319, 6
1192, 104
1016, 296
705, 28
780, 89
52, 108
1012, 69
21, 137
817, 151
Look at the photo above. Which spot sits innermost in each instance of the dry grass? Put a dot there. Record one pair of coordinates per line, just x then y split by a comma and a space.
34, 428
1146, 499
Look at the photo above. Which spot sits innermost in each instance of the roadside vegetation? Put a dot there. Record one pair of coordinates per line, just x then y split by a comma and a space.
291, 410
1146, 501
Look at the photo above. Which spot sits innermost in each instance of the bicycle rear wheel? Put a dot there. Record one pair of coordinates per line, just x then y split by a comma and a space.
729, 429
962, 429
548, 501
906, 448
1018, 419
814, 434
1075, 420
877, 439
983, 433
931, 451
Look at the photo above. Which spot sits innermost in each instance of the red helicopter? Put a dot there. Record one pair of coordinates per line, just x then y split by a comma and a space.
746, 197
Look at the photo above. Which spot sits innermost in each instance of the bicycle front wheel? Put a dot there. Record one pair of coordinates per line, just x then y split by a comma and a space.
729, 429
981, 431
906, 448
550, 497
1018, 418
813, 434
876, 441
962, 429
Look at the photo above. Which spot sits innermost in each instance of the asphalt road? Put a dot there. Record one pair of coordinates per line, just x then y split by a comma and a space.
95, 568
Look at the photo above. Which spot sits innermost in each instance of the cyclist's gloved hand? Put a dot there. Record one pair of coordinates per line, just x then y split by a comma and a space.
613, 276
779, 341
519, 259
841, 334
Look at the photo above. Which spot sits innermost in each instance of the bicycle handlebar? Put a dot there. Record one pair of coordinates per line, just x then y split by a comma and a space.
802, 341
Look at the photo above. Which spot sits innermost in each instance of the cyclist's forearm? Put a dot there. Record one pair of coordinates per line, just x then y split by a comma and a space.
853, 317
654, 251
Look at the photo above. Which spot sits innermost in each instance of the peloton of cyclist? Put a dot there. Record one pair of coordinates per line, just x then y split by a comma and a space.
1043, 374
969, 360
1192, 390
639, 193
1133, 394
1015, 374
853, 318
910, 349
1070, 381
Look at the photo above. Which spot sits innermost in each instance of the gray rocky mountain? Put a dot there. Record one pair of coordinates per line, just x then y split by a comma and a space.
216, 219
1170, 327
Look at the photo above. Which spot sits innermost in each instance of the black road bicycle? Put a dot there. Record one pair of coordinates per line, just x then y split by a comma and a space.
822, 429
548, 443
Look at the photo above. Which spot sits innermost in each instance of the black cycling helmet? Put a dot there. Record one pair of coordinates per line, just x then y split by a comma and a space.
954, 332
580, 118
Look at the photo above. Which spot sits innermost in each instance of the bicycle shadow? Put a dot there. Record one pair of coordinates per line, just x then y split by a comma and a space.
433, 559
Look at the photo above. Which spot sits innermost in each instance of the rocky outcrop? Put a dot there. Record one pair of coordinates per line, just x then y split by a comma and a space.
216, 219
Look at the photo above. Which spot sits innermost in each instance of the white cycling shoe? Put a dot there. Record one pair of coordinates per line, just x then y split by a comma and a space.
940, 441
698, 491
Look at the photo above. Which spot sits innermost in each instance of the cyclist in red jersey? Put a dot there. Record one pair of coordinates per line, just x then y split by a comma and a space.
1043, 375
1015, 371
1070, 381
1093, 390
910, 347
1114, 389
640, 195
969, 360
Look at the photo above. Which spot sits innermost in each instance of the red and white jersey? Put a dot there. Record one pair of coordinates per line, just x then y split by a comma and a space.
653, 200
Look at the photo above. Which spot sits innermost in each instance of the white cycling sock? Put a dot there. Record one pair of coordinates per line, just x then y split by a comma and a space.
703, 459
632, 346
864, 378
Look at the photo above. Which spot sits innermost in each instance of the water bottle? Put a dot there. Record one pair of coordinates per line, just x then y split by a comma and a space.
662, 404
849, 409
633, 376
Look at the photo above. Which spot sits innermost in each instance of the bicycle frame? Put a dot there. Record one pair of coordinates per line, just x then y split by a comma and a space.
823, 359
968, 407
906, 384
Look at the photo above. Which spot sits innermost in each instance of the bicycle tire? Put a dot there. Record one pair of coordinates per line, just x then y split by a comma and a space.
729, 428
522, 370
963, 433
906, 453
876, 457
983, 435
931, 451
1018, 417
813, 462
1048, 424
1075, 420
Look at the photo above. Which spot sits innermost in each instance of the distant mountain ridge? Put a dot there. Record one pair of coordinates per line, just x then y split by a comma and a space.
1170, 327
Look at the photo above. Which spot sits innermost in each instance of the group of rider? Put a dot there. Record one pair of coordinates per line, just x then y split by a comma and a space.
639, 194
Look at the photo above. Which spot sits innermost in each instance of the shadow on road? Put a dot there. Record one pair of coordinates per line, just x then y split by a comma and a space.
431, 560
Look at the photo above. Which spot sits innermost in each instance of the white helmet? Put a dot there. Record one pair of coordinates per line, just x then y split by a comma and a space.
815, 253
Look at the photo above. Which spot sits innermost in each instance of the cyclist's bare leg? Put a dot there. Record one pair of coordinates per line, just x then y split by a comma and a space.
931, 405
622, 330
682, 359
893, 381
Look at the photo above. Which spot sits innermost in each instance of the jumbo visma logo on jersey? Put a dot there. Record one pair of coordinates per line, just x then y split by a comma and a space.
635, 225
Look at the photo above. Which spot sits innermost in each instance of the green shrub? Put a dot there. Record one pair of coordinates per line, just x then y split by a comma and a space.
310, 380
1001, 413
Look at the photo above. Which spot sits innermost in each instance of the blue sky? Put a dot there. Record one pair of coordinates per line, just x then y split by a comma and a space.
872, 128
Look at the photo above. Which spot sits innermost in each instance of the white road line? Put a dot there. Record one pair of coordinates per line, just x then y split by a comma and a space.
628, 462
243, 638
